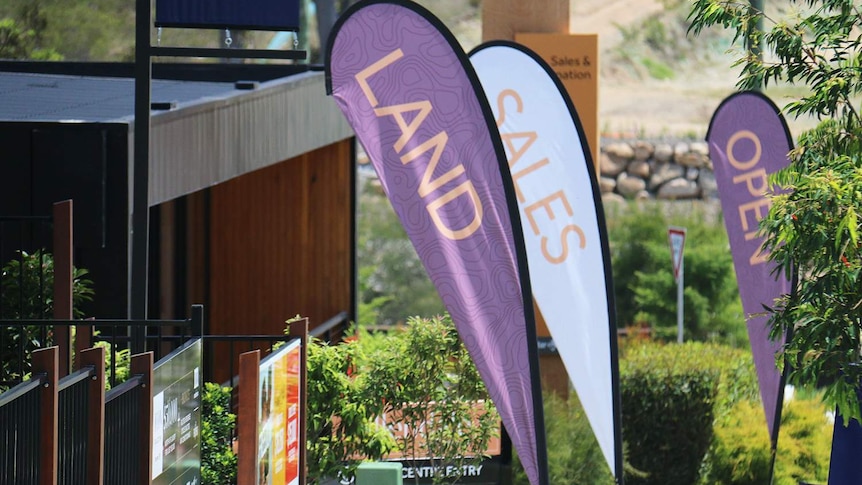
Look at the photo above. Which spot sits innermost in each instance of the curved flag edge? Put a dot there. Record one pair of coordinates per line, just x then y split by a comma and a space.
779, 403
764, 98
603, 236
512, 206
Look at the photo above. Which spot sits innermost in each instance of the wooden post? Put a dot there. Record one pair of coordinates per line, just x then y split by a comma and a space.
142, 365
246, 423
83, 340
45, 362
63, 255
299, 329
502, 19
95, 357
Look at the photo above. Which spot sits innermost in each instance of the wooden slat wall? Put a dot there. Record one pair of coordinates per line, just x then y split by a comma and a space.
280, 244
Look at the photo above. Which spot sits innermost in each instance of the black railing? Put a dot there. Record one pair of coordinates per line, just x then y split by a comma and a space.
19, 433
163, 336
73, 405
122, 433
332, 329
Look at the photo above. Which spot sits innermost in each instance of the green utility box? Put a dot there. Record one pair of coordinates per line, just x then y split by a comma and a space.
379, 473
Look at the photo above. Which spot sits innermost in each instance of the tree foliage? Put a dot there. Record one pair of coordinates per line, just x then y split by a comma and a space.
412, 391
340, 426
392, 278
813, 227
27, 293
218, 460
643, 275
433, 395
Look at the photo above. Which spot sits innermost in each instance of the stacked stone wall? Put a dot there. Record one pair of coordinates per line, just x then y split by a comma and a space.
663, 170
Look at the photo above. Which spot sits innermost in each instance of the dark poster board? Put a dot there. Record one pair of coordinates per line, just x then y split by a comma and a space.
177, 417
486, 472
229, 14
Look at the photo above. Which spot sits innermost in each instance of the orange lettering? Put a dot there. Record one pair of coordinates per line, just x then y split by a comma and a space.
500, 104
739, 135
517, 176
750, 178
428, 184
407, 129
546, 204
457, 234
756, 207
363, 75
565, 254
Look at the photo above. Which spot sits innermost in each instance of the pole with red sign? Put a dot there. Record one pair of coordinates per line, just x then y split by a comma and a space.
676, 238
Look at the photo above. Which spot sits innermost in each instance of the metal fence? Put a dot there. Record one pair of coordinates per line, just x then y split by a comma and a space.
20, 421
123, 438
74, 408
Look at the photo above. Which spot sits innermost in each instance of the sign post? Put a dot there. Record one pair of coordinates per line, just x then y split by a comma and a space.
676, 238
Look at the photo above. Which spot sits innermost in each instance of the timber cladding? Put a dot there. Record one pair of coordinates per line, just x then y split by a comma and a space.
281, 243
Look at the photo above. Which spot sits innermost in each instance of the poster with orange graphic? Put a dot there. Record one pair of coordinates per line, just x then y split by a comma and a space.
277, 454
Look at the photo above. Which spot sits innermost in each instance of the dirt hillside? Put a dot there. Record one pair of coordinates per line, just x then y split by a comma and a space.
695, 74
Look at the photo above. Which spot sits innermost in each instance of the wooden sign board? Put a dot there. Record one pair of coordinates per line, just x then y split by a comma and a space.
575, 60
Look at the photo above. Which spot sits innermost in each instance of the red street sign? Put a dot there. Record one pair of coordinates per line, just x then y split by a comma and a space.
676, 238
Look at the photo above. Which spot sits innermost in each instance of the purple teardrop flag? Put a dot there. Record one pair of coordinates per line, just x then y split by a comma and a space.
416, 106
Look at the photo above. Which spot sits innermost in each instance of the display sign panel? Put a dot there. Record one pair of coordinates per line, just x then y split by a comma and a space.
278, 425
228, 14
177, 416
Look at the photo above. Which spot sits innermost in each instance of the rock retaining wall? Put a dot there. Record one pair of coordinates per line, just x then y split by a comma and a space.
656, 170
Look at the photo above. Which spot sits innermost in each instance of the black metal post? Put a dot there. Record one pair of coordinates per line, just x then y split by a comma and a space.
141, 172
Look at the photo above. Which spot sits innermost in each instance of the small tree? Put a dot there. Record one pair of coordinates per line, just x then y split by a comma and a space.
433, 395
814, 226
341, 428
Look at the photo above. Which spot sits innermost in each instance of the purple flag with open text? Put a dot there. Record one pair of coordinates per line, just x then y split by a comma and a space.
748, 140
416, 105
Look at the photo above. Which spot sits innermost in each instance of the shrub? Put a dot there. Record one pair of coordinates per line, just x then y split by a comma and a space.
668, 408
740, 454
218, 461
804, 443
574, 455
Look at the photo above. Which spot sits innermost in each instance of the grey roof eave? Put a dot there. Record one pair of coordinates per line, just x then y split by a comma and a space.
213, 139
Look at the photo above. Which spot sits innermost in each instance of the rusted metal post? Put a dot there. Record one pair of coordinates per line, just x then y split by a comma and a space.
45, 361
63, 255
299, 329
142, 365
249, 376
95, 357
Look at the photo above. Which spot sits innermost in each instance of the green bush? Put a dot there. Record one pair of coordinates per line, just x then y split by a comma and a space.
804, 443
218, 461
740, 454
669, 398
574, 455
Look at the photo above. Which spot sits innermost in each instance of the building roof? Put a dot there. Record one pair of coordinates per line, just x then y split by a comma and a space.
214, 132
52, 97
